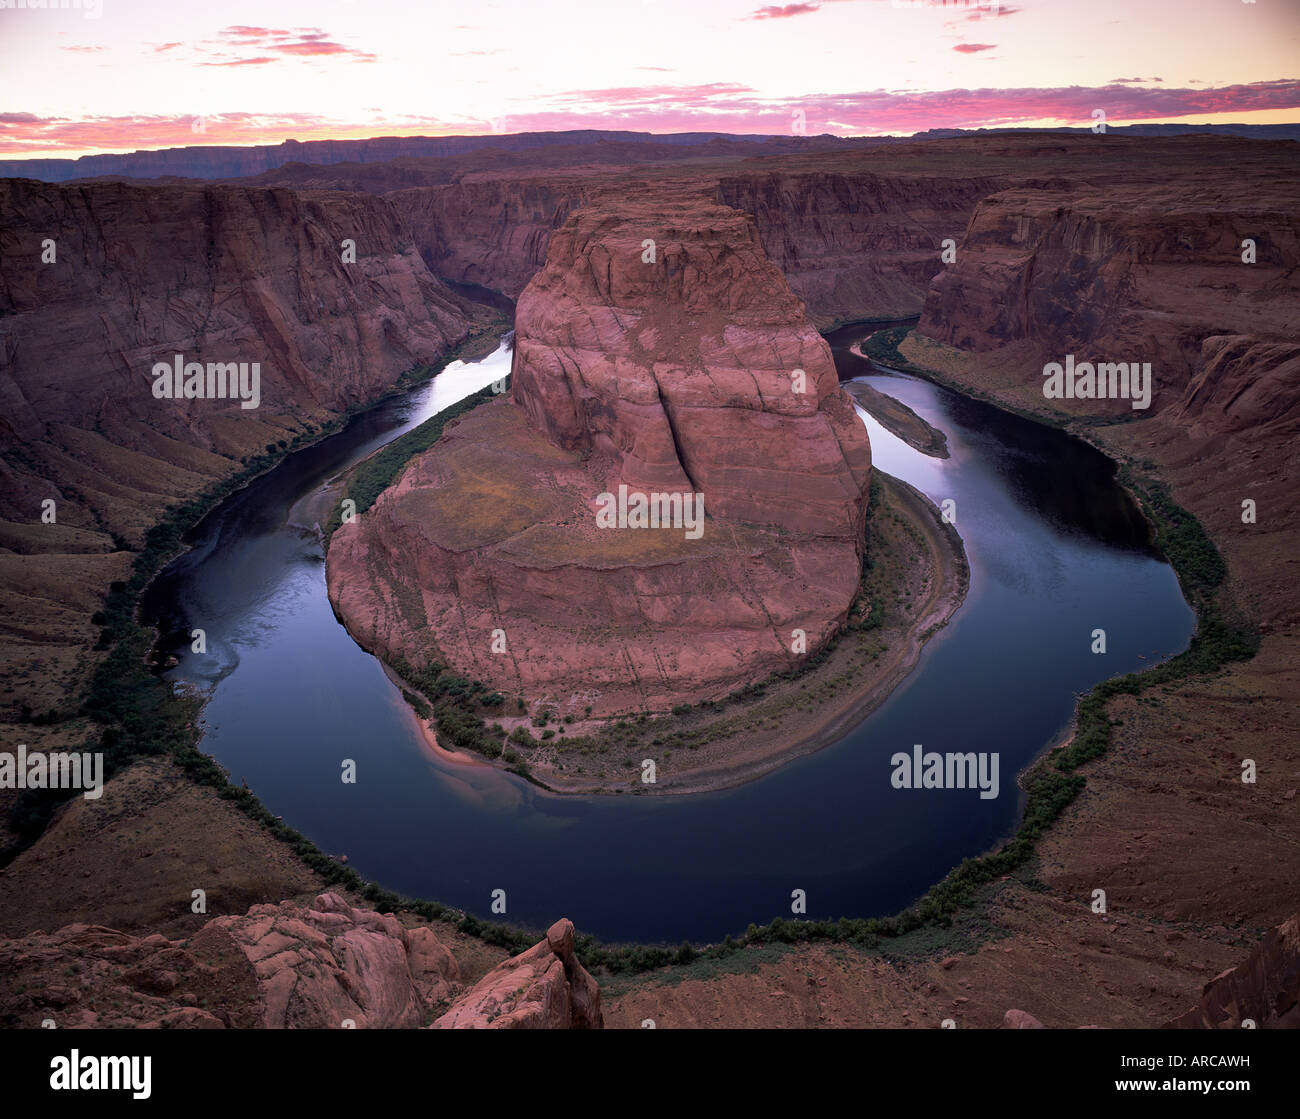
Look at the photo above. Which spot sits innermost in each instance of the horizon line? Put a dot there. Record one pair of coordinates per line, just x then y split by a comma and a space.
428, 135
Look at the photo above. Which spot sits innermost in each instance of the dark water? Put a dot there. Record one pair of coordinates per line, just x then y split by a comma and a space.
1056, 548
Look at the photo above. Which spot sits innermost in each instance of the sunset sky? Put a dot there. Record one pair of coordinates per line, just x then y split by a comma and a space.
137, 73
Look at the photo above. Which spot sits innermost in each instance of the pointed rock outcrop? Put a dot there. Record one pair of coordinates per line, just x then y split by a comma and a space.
545, 988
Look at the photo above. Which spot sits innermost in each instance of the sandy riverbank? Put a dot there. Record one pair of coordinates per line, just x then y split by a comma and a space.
898, 419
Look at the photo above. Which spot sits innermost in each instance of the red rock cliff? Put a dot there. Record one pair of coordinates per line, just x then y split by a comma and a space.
491, 231
1143, 272
667, 376
140, 274
215, 273
856, 243
326, 966
696, 370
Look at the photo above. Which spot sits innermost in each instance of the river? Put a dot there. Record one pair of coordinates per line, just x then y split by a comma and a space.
1056, 547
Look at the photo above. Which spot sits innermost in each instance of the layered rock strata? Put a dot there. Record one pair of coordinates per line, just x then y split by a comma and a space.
100, 283
658, 353
1199, 281
854, 243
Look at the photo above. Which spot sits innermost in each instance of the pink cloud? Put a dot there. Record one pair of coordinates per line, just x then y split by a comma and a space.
717, 107
1002, 10
973, 48
319, 46
272, 43
243, 31
642, 94
773, 11
262, 60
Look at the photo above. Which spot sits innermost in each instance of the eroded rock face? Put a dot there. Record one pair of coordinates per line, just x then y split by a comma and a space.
222, 274
491, 231
671, 376
545, 988
318, 968
89, 976
1147, 272
1265, 988
854, 242
1243, 385
277, 966
694, 371
326, 966
134, 275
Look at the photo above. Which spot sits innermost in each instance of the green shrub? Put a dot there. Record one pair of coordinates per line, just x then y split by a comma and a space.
375, 474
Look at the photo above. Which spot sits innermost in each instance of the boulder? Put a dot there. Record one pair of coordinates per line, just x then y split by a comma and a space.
545, 988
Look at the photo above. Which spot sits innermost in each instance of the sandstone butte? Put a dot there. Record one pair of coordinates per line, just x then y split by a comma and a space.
675, 375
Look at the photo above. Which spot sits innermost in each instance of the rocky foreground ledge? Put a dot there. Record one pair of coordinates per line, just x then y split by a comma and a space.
327, 966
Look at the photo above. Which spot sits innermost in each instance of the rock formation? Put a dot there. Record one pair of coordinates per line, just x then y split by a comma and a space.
331, 965
1265, 988
694, 372
327, 966
849, 240
217, 274
1243, 386
492, 231
1137, 272
132, 276
545, 988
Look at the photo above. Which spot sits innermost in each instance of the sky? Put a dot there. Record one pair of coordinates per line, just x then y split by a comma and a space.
121, 75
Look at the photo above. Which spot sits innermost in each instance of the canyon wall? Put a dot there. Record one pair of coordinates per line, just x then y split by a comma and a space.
856, 244
1134, 273
1189, 261
490, 231
136, 275
215, 273
132, 276
694, 372
851, 244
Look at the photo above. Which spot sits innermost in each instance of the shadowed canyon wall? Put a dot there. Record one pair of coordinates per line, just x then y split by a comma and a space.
132, 276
